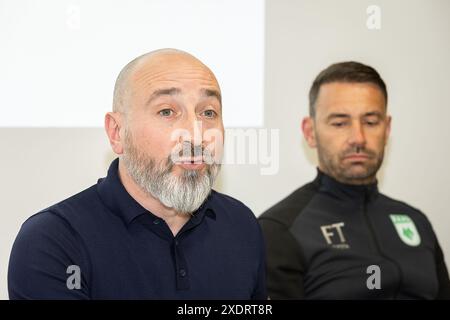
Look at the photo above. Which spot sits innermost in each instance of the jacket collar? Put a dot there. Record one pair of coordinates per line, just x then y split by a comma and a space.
345, 191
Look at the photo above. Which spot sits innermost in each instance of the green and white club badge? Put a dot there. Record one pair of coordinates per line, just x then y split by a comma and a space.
406, 229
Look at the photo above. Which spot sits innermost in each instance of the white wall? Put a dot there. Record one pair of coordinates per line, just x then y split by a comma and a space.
70, 51
411, 51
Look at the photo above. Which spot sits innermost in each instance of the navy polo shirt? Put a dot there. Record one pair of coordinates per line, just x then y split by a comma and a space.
120, 250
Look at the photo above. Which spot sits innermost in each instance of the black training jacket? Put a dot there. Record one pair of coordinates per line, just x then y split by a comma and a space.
329, 240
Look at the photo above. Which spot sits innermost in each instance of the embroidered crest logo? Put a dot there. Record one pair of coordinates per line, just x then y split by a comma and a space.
406, 229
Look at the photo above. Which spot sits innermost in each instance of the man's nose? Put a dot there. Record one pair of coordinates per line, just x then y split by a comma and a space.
191, 150
357, 135
195, 129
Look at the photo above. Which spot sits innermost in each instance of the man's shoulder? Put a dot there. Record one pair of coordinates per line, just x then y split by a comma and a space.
401, 207
233, 207
228, 200
46, 244
42, 223
72, 210
288, 209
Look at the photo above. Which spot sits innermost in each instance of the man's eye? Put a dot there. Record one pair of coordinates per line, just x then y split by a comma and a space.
338, 124
372, 123
210, 113
166, 112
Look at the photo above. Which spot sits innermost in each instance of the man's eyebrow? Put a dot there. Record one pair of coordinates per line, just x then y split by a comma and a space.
337, 115
163, 92
212, 93
373, 113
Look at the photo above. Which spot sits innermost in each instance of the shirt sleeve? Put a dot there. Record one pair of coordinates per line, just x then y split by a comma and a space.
260, 292
47, 261
285, 269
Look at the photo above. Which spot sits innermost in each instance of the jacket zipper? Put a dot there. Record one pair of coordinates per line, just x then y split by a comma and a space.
377, 245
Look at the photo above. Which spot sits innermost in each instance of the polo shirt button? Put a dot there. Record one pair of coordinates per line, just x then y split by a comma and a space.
176, 242
156, 221
182, 273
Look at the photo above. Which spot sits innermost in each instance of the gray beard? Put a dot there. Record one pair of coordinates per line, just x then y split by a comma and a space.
184, 193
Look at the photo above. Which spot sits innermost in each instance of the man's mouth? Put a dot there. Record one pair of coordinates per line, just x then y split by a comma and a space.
357, 157
191, 163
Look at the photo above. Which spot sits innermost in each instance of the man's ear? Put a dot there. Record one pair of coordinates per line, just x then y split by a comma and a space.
113, 126
309, 132
388, 127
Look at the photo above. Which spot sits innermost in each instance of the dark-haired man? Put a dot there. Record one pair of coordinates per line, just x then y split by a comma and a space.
338, 237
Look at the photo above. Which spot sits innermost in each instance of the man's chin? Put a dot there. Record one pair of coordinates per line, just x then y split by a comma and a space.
357, 173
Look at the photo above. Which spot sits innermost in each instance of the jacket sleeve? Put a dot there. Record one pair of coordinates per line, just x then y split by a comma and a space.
442, 274
285, 267
42, 261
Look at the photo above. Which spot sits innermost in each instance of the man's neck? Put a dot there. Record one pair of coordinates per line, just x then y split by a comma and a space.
356, 182
173, 219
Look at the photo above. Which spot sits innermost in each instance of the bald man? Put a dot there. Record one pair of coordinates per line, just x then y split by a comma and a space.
153, 228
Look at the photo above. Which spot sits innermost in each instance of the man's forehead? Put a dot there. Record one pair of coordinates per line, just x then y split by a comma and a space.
173, 67
350, 98
203, 92
156, 83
